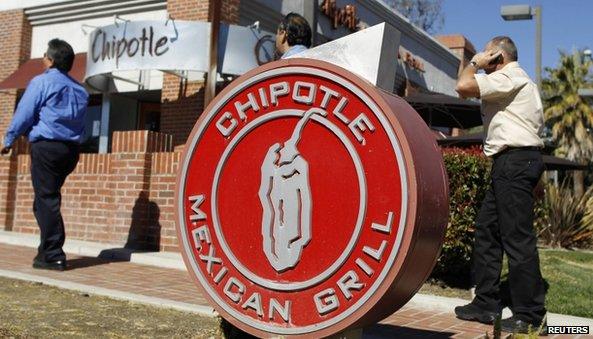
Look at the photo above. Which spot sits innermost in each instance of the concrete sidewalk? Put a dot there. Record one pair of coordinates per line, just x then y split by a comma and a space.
160, 279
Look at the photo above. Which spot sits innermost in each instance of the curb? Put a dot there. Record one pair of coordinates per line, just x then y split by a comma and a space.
448, 305
138, 298
107, 251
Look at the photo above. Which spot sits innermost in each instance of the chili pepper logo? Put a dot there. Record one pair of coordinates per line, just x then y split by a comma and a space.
285, 196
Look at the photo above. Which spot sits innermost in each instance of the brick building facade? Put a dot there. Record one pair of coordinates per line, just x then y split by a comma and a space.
125, 197
183, 101
459, 44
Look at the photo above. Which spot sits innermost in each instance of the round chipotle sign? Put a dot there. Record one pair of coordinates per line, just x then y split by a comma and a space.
298, 201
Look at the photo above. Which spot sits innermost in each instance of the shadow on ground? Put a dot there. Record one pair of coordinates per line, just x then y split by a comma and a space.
105, 257
393, 331
231, 332
143, 236
89, 261
378, 331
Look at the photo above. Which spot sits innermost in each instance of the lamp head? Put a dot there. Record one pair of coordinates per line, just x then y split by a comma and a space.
516, 12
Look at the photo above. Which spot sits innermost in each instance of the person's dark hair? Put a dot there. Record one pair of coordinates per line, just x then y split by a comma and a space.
507, 45
61, 53
298, 31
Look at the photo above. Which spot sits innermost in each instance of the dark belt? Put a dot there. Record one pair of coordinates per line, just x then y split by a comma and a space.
67, 142
516, 149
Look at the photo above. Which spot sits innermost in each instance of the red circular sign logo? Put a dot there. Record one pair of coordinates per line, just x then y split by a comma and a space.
292, 201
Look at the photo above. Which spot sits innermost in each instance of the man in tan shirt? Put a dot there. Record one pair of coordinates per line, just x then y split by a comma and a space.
513, 118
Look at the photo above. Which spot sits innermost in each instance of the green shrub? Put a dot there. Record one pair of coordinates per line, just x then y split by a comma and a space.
469, 177
566, 220
561, 219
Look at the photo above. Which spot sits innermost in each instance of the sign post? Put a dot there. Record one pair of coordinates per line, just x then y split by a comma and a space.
213, 62
309, 202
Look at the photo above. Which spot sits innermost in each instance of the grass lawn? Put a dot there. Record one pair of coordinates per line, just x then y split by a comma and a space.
568, 273
33, 310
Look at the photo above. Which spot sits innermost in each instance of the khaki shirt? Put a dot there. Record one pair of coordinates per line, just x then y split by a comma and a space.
511, 108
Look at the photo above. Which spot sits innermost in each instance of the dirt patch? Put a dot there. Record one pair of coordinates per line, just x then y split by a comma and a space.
435, 287
34, 310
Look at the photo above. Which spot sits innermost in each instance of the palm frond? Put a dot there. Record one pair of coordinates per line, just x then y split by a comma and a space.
569, 116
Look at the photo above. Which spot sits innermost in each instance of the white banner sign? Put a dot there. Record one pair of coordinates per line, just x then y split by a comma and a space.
175, 45
140, 45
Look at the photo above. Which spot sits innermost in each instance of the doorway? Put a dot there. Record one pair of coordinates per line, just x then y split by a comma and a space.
149, 116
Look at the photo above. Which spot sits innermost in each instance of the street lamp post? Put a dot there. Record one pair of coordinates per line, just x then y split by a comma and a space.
586, 93
526, 12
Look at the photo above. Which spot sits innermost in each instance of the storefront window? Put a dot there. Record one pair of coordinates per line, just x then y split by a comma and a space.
92, 125
149, 116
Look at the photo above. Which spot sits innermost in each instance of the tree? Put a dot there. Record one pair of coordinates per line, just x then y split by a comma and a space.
426, 14
568, 115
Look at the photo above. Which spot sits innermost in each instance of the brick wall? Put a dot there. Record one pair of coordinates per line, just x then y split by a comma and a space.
181, 105
182, 101
8, 172
124, 198
15, 49
459, 45
162, 188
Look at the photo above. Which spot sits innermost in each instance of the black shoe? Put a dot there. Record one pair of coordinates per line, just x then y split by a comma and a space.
474, 313
514, 325
58, 265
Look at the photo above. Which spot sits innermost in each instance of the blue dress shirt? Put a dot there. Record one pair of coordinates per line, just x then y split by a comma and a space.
294, 50
53, 107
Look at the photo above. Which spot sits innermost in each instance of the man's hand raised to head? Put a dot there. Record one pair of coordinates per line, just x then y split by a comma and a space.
483, 59
467, 86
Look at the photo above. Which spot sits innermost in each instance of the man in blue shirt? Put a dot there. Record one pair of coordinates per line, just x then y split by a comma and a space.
293, 35
51, 113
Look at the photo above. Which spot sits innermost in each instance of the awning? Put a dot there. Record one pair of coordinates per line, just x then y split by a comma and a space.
33, 67
462, 140
551, 162
446, 111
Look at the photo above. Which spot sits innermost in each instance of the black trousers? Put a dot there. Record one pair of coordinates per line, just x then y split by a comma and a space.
505, 223
51, 162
